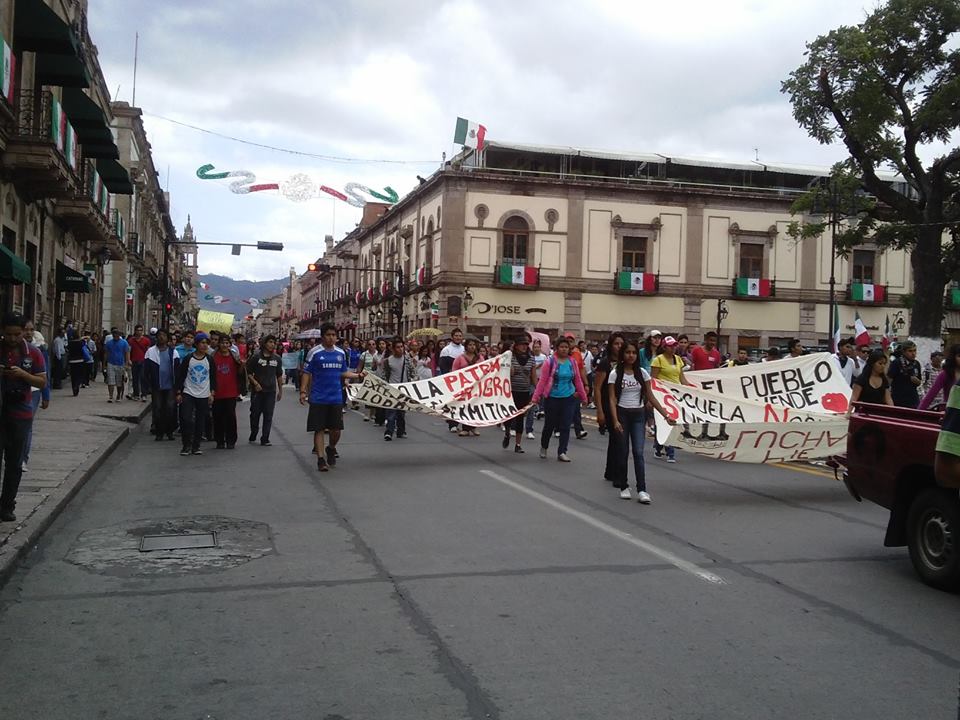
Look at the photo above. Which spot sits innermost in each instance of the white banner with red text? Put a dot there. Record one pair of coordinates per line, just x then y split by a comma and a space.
479, 395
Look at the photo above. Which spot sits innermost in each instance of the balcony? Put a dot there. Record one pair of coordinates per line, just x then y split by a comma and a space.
84, 214
42, 153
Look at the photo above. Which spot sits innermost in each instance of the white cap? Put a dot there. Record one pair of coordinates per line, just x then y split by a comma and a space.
654, 332
153, 331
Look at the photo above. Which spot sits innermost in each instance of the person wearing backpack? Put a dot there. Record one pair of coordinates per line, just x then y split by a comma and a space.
628, 388
397, 368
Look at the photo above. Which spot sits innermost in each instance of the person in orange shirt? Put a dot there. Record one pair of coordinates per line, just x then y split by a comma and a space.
577, 358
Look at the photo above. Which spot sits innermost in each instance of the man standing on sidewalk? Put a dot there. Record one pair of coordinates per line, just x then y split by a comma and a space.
58, 354
22, 370
322, 384
196, 390
139, 344
117, 354
158, 365
266, 387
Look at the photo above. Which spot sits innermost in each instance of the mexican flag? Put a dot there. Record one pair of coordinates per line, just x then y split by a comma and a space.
70, 145
9, 69
867, 292
469, 134
860, 331
58, 123
422, 275
640, 282
836, 328
518, 275
205, 286
753, 287
119, 224
887, 337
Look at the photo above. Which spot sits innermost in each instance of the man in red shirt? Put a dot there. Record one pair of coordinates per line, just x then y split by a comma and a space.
139, 344
21, 370
228, 368
708, 356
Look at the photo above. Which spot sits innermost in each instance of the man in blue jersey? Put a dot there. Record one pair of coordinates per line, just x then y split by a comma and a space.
322, 384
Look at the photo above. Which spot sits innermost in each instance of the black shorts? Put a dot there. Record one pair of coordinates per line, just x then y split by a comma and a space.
325, 417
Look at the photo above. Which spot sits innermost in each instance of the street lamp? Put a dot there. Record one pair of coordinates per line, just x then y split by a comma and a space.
722, 313
467, 301
379, 319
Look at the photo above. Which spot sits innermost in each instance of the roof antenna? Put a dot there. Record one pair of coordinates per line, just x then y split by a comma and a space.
756, 152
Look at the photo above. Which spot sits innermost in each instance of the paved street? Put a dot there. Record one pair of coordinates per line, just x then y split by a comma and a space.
443, 577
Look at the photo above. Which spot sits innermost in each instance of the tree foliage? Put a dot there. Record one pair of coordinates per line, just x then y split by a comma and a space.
887, 88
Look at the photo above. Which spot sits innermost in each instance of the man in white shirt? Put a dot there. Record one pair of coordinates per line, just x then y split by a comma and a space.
850, 365
451, 351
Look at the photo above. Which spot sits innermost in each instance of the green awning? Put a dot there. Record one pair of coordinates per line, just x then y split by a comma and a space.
71, 280
12, 268
66, 71
100, 150
115, 177
38, 28
86, 117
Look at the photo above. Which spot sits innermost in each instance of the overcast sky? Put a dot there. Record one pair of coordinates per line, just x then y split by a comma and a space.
387, 80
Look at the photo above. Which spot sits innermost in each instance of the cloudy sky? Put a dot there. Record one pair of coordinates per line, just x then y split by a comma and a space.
375, 81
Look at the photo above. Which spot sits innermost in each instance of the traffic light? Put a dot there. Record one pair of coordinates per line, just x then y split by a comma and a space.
319, 267
168, 308
263, 245
312, 267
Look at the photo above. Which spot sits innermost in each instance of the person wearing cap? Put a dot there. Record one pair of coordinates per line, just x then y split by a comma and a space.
196, 386
117, 353
523, 377
667, 366
905, 375
651, 348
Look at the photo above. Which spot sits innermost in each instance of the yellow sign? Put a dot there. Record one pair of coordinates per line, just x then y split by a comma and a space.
208, 320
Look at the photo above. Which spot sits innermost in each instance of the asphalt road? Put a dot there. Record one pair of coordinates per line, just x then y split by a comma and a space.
443, 577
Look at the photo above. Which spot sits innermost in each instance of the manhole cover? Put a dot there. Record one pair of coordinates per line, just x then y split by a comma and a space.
121, 549
178, 542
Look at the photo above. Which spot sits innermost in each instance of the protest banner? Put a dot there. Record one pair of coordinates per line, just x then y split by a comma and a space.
208, 320
764, 442
809, 382
478, 395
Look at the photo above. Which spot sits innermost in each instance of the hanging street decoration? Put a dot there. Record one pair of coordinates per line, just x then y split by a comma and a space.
298, 187
217, 299
204, 286
254, 302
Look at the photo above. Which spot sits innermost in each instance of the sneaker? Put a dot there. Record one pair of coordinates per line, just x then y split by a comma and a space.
556, 433
531, 436
518, 449
265, 443
625, 494
453, 428
366, 419
198, 451
506, 441
109, 400
7, 516
658, 454
331, 456
221, 446
322, 465
543, 453
143, 399
642, 497
388, 437
185, 451
563, 457
540, 416
401, 436
672, 461
591, 406
581, 435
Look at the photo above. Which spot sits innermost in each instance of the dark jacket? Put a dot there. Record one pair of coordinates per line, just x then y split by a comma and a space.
152, 369
181, 368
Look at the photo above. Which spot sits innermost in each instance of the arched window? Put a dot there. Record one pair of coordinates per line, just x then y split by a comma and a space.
516, 241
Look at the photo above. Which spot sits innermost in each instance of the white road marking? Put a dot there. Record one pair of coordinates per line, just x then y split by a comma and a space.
665, 555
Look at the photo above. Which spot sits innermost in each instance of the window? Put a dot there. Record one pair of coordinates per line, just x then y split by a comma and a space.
634, 256
516, 235
863, 261
751, 260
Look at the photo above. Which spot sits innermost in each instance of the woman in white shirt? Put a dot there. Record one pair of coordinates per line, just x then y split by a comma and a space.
628, 385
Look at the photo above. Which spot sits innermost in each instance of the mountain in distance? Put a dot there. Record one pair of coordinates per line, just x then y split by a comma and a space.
237, 291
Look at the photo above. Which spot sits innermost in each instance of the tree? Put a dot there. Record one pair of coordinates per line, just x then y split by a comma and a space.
887, 88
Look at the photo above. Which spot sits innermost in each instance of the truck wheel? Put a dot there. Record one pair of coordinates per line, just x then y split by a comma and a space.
933, 537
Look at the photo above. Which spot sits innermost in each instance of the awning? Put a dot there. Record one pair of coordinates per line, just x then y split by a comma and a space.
114, 176
86, 117
71, 280
106, 150
66, 71
38, 28
12, 268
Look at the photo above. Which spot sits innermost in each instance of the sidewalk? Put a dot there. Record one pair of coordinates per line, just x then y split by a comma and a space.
71, 439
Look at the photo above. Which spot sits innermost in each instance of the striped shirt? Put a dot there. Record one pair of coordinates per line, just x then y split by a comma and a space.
949, 439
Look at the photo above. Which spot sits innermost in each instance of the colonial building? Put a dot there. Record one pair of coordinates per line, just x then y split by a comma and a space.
67, 203
567, 239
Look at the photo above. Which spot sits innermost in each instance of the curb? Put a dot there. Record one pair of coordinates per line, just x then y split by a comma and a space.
15, 549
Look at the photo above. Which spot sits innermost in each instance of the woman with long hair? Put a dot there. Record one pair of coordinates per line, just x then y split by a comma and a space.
948, 377
872, 385
559, 386
601, 397
469, 356
424, 363
651, 348
630, 397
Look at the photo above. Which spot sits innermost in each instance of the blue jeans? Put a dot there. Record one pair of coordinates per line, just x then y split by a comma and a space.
657, 447
139, 380
531, 416
558, 416
34, 403
634, 424
396, 421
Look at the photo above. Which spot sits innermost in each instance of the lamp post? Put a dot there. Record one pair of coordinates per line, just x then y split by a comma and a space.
722, 313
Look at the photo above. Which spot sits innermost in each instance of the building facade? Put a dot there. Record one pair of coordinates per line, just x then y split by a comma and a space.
67, 202
604, 242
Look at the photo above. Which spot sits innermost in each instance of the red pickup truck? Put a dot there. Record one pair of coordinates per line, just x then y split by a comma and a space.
889, 461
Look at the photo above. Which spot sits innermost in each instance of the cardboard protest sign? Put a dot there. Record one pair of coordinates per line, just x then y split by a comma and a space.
478, 395
763, 442
810, 382
208, 320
